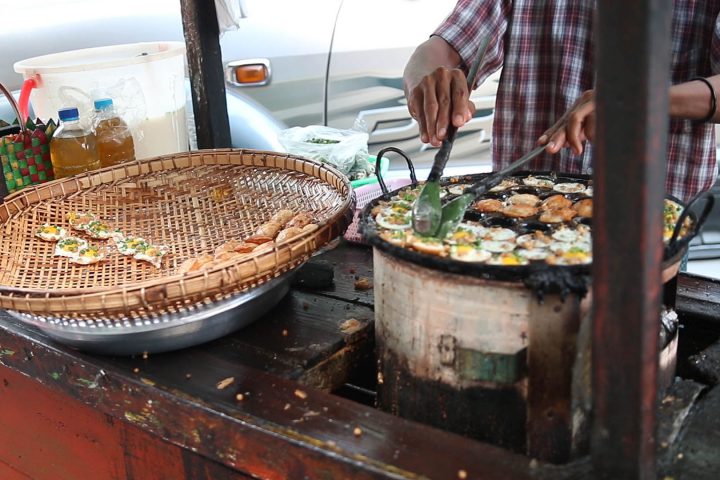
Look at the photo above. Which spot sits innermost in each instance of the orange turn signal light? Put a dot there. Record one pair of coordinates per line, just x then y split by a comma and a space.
251, 74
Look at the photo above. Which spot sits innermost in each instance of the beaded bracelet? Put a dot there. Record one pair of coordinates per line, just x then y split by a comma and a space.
713, 99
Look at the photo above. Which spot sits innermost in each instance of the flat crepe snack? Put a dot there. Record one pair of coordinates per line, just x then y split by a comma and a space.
101, 230
80, 220
153, 254
129, 245
89, 255
50, 233
70, 246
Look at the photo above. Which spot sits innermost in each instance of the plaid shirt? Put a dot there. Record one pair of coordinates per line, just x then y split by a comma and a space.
546, 50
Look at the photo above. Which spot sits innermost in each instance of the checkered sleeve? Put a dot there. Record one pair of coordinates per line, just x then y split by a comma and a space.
715, 48
470, 22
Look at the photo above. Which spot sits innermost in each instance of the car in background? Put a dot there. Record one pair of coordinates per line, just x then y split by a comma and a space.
325, 62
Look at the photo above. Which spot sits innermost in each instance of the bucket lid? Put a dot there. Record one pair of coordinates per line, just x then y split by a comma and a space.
100, 57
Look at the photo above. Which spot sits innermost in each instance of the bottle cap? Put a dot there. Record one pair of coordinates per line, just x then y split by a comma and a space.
68, 114
103, 103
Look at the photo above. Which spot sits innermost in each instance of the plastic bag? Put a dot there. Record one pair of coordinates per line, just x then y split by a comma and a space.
229, 14
340, 148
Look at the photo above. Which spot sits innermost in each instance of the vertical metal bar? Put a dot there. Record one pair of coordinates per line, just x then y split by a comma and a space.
202, 38
632, 119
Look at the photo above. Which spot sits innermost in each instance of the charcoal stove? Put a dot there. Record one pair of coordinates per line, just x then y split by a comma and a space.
494, 352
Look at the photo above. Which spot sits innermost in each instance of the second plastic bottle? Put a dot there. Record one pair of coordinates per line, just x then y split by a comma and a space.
114, 141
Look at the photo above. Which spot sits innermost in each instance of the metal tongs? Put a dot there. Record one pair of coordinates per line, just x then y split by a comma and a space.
427, 210
454, 211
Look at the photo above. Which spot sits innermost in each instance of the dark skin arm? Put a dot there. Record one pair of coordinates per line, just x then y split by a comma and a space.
689, 100
436, 89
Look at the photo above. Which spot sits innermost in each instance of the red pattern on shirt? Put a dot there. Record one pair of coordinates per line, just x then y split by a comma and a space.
545, 48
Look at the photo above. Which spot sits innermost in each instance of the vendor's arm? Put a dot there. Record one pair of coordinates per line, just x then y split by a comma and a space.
436, 89
690, 100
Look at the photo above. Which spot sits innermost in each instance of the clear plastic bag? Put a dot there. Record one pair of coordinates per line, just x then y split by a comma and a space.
340, 148
229, 13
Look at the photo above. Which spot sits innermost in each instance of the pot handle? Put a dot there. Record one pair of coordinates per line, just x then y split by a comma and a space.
701, 219
380, 154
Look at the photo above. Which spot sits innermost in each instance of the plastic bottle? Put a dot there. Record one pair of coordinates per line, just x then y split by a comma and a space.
114, 141
72, 148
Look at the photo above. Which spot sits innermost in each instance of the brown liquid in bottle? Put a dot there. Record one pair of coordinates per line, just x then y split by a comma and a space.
114, 142
73, 150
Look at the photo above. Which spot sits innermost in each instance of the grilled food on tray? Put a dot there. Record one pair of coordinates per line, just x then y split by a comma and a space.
282, 226
520, 221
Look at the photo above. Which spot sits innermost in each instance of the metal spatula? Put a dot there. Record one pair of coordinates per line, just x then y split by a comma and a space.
427, 212
454, 211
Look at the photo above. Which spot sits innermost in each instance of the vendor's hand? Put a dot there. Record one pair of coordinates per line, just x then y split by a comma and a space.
437, 99
574, 127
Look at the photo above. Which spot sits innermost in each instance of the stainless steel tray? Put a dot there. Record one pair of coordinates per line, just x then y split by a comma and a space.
171, 331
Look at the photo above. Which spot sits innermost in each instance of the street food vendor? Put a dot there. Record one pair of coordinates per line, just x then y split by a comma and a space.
546, 96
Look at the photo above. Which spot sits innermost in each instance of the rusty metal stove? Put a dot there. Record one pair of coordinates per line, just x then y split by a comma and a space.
494, 353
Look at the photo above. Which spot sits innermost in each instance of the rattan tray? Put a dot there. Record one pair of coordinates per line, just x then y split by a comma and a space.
192, 203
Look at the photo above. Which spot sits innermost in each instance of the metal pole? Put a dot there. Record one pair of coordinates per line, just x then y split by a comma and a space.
630, 158
202, 38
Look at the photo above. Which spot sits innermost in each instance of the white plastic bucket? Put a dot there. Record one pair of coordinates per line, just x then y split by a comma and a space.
144, 80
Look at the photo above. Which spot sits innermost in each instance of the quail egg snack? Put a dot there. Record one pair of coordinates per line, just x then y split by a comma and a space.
522, 220
89, 255
50, 233
80, 251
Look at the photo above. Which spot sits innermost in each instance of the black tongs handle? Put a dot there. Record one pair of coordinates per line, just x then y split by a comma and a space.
494, 178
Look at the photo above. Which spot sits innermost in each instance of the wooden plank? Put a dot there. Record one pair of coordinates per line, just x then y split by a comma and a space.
629, 170
202, 39
46, 435
306, 329
278, 430
295, 341
698, 295
351, 263
309, 346
9, 473
305, 337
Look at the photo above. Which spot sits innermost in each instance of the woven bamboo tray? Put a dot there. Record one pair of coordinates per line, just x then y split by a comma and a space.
190, 202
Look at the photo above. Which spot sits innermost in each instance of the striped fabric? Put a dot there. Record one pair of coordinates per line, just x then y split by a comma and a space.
545, 48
